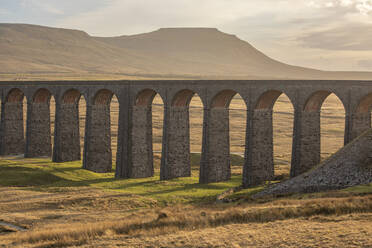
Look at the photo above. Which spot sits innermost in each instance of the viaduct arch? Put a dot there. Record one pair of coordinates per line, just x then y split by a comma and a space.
135, 152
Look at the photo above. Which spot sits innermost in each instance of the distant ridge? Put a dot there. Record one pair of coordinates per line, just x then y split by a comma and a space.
204, 53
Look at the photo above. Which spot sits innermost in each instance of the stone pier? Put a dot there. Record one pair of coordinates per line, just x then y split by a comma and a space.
38, 135
97, 142
141, 138
12, 141
176, 162
261, 166
308, 142
215, 162
67, 132
361, 121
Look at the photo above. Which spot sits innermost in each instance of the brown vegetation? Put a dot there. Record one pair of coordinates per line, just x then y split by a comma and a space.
76, 223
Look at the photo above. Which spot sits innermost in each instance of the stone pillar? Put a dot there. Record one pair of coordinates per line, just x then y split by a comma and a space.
124, 146
259, 165
12, 140
38, 138
306, 151
141, 139
360, 122
215, 162
177, 154
66, 135
97, 142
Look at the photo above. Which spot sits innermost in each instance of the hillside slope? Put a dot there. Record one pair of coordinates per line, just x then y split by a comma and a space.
167, 52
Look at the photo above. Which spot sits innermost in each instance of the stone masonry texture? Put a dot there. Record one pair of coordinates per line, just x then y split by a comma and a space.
67, 136
12, 130
217, 166
262, 167
38, 137
142, 152
178, 153
98, 155
310, 142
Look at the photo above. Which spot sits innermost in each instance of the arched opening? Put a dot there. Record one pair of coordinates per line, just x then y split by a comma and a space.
332, 126
283, 118
114, 120
157, 115
332, 121
279, 131
191, 102
13, 123
237, 132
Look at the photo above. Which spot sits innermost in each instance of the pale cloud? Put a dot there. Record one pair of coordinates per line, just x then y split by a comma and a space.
362, 6
340, 38
42, 5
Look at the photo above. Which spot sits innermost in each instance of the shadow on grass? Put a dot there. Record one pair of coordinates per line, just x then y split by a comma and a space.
45, 175
24, 177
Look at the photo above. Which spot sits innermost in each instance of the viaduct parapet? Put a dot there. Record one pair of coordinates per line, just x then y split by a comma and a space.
135, 152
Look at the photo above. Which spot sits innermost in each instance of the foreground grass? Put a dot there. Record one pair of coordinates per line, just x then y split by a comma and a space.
175, 220
70, 220
43, 175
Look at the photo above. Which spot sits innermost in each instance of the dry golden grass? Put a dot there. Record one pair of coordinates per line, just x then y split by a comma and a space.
60, 227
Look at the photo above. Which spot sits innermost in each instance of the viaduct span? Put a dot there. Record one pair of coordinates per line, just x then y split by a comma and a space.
135, 154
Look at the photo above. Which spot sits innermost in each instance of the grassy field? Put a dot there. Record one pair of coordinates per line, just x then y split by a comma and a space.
63, 205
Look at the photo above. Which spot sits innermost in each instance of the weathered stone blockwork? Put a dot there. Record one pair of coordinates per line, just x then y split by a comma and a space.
67, 136
360, 123
12, 130
141, 135
215, 164
176, 161
309, 147
262, 165
38, 136
97, 153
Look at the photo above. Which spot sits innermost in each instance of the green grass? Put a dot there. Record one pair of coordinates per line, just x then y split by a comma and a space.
361, 189
44, 175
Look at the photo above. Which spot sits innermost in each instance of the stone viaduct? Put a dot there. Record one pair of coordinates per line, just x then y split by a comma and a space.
135, 154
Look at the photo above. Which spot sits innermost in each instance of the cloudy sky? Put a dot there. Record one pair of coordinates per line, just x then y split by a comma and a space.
324, 34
